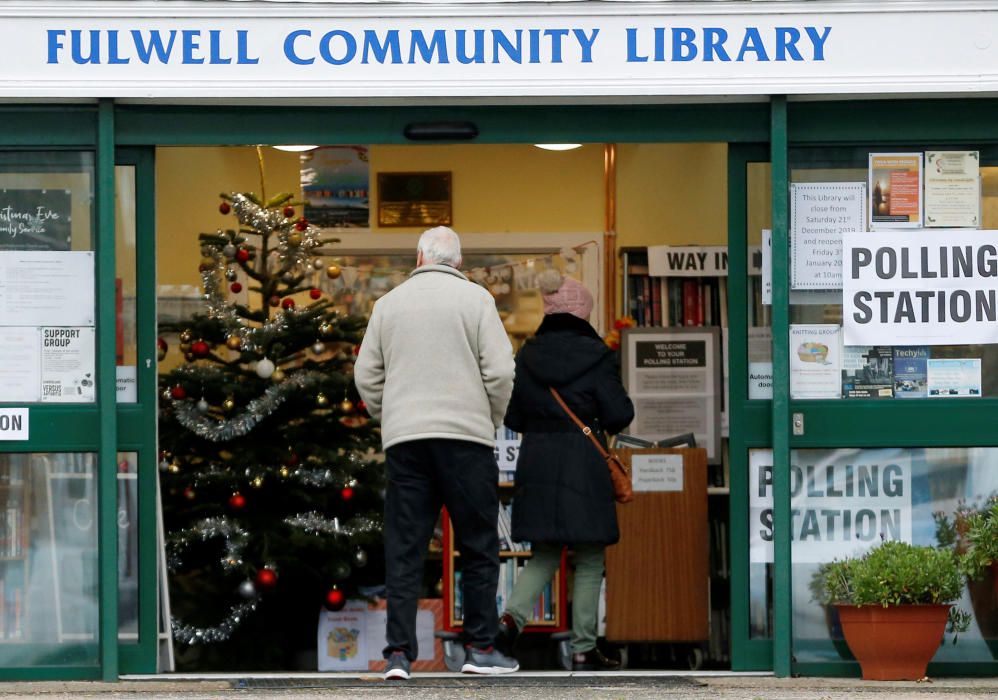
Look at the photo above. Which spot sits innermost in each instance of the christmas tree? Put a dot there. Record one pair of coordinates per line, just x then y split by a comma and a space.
271, 494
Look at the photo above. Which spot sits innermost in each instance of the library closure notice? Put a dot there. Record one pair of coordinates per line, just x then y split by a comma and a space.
939, 287
820, 213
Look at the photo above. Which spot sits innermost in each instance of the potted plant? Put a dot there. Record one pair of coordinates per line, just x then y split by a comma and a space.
894, 603
980, 540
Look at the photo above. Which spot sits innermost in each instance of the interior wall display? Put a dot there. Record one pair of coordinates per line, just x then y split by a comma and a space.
933, 289
336, 184
46, 288
895, 190
867, 372
35, 219
820, 212
952, 189
815, 361
414, 199
954, 377
843, 502
673, 377
911, 372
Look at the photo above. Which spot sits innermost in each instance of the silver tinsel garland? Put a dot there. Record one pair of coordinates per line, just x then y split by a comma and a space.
256, 410
317, 524
189, 634
209, 528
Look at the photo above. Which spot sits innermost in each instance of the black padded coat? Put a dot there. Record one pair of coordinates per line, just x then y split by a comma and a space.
563, 493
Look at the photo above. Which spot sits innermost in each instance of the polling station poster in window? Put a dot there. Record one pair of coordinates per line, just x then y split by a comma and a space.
936, 287
673, 377
842, 502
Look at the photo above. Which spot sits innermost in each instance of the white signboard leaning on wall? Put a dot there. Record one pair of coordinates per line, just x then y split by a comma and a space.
932, 287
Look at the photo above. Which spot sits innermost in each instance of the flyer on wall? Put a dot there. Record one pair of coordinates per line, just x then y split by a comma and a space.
895, 190
911, 372
815, 361
954, 377
867, 372
20, 370
820, 212
953, 189
68, 364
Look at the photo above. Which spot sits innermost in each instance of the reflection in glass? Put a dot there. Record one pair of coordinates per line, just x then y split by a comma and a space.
845, 501
760, 337
124, 283
48, 560
128, 546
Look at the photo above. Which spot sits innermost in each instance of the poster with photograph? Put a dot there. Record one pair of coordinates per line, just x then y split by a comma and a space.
35, 219
820, 212
948, 378
911, 372
952, 189
867, 372
895, 190
815, 361
336, 181
673, 376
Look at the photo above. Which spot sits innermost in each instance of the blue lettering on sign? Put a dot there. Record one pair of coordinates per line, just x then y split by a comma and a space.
338, 47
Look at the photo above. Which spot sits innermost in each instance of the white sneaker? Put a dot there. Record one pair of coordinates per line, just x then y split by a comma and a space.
488, 662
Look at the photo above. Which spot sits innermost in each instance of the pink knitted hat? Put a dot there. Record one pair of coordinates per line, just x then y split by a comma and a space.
564, 295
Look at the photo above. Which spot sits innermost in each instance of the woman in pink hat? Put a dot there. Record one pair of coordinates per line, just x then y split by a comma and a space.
563, 494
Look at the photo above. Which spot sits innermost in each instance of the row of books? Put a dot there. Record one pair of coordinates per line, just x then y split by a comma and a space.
677, 301
505, 526
545, 609
12, 529
11, 607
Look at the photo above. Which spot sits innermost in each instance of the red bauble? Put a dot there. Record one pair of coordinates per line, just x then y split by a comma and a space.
356, 349
274, 300
242, 255
237, 501
178, 392
301, 224
346, 493
288, 303
235, 287
361, 406
162, 344
199, 348
315, 293
266, 579
289, 211
224, 208
335, 599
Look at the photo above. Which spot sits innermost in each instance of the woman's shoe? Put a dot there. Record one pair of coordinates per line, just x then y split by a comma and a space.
593, 660
508, 632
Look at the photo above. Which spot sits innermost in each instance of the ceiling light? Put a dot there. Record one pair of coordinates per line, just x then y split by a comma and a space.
558, 146
295, 149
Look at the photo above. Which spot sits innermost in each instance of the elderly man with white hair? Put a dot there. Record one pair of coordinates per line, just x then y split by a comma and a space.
436, 368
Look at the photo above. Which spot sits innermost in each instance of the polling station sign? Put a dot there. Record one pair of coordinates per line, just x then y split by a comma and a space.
842, 502
929, 287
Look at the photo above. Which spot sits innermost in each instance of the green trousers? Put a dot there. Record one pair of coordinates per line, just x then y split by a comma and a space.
585, 591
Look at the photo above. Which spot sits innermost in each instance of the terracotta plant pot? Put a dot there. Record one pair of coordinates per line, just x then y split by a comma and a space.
893, 643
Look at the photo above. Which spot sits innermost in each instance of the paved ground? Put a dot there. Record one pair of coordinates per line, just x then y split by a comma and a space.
519, 687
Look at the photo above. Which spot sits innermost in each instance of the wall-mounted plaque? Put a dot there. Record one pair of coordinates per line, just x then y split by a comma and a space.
414, 199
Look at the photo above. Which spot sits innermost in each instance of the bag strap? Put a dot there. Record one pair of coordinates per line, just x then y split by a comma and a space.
586, 430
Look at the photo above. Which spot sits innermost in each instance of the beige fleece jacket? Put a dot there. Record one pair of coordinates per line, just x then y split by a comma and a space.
436, 361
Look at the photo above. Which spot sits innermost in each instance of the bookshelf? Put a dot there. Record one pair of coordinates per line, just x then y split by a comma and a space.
549, 613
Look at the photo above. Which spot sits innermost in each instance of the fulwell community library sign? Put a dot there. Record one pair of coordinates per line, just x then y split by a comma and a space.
329, 49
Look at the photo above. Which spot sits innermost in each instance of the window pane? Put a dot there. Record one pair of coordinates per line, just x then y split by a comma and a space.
48, 566
760, 335
128, 547
47, 317
845, 501
126, 352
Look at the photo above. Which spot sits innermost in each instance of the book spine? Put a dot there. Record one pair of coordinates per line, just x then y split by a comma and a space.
691, 301
663, 290
656, 301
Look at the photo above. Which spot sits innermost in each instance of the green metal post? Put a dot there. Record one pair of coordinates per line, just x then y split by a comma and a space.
782, 579
107, 476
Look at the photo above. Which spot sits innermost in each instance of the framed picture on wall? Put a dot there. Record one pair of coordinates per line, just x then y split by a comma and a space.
414, 199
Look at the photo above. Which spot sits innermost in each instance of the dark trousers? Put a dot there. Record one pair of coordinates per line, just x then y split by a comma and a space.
423, 475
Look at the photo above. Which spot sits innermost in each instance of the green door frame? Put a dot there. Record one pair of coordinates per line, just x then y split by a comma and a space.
843, 132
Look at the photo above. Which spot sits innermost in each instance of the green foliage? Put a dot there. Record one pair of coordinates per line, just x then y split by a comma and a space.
981, 540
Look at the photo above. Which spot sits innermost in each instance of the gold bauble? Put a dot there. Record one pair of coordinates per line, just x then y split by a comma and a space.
278, 375
294, 239
325, 328
257, 482
284, 471
234, 342
333, 271
346, 405
185, 346
322, 400
229, 404
186, 336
